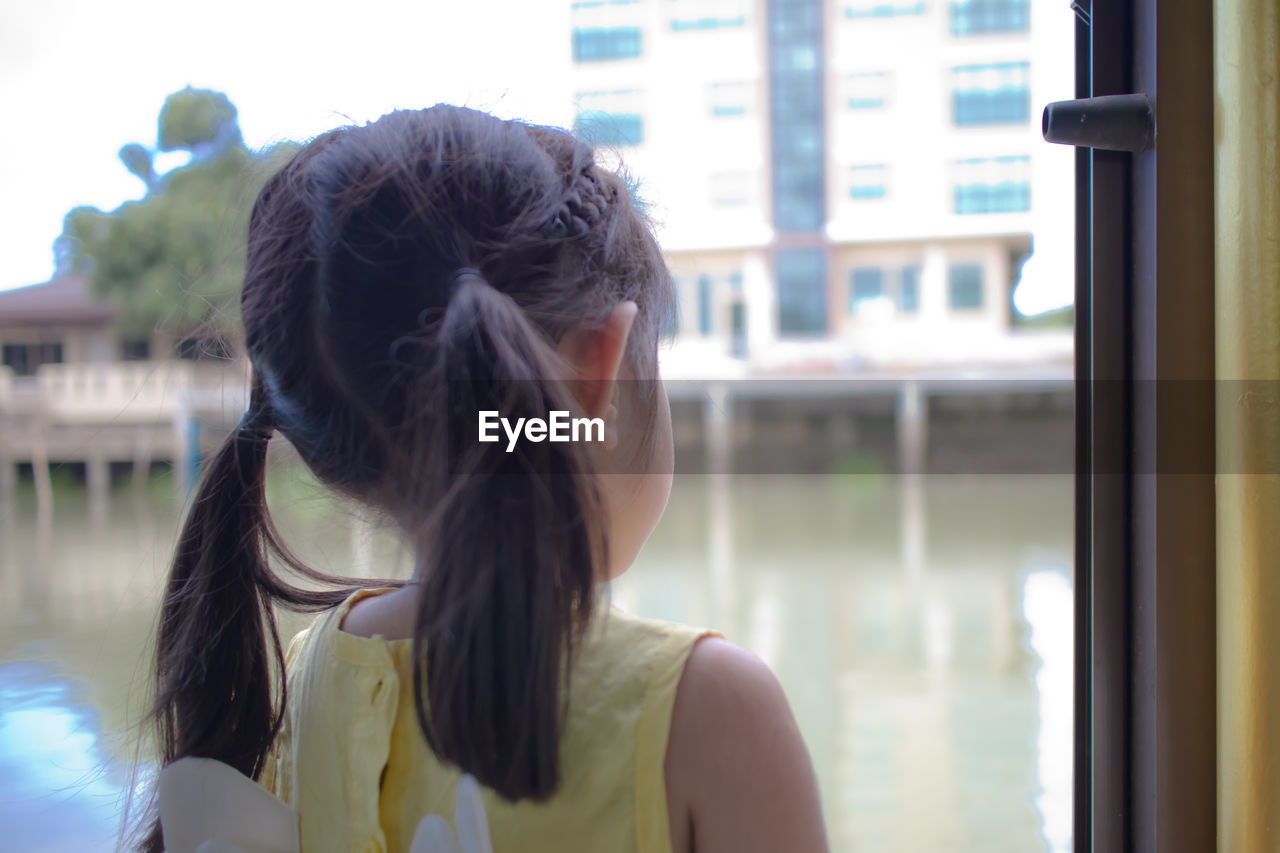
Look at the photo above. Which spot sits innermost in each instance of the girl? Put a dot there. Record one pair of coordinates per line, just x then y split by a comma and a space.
403, 278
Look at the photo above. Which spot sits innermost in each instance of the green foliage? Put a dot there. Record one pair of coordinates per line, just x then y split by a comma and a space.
175, 258
197, 120
138, 160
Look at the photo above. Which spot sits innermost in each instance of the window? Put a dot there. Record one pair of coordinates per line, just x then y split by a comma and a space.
25, 359
733, 189
802, 292
991, 94
735, 283
867, 182
979, 17
704, 305
680, 24
135, 350
594, 44
865, 284
592, 4
868, 91
738, 329
964, 286
709, 15
610, 129
993, 185
671, 322
795, 114
909, 290
612, 118
15, 358
882, 8
731, 98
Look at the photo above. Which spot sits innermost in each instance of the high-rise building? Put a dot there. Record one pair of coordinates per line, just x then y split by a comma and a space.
838, 184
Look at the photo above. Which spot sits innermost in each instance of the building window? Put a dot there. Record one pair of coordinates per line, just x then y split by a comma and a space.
979, 17
738, 329
796, 115
704, 305
733, 189
867, 182
593, 4
802, 292
882, 8
25, 359
610, 129
671, 322
731, 98
709, 15
865, 284
868, 91
735, 282
964, 286
683, 24
993, 185
991, 94
909, 290
595, 44
135, 350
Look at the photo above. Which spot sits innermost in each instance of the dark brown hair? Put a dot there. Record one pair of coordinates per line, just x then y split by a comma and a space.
372, 356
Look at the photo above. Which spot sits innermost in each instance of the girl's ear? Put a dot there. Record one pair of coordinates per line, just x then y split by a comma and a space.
595, 357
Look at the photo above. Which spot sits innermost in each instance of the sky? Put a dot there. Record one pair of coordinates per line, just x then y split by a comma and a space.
80, 78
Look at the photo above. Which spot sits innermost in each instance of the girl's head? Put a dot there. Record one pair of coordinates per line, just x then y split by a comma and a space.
375, 354
374, 357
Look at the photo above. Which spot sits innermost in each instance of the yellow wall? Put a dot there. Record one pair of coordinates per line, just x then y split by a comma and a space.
1247, 213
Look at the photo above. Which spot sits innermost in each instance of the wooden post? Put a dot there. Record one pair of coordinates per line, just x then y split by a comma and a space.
912, 429
40, 470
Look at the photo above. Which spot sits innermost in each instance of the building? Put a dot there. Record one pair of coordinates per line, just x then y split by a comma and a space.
840, 185
56, 322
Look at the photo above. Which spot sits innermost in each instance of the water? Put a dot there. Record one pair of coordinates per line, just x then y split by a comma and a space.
921, 629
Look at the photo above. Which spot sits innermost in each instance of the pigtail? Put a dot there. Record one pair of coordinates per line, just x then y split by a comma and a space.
510, 557
218, 652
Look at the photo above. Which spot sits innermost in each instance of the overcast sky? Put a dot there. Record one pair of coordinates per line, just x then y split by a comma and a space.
80, 78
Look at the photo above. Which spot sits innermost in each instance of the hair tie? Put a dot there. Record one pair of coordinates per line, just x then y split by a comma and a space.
460, 277
251, 426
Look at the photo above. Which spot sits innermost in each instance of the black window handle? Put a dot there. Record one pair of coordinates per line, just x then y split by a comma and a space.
1111, 122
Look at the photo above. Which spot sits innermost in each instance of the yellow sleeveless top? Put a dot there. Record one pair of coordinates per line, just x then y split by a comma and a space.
353, 762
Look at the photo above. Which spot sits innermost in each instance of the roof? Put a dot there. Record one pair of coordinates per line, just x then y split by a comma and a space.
63, 301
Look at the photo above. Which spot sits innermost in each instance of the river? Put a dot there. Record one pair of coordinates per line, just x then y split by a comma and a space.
920, 626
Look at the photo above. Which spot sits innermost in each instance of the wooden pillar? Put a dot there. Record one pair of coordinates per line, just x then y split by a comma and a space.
97, 475
40, 470
8, 476
912, 428
1247, 308
718, 423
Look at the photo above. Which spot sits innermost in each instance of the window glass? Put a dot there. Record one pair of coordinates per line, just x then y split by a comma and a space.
909, 290
882, 8
731, 98
865, 283
802, 305
867, 182
991, 94
993, 185
594, 44
964, 286
867, 90
978, 17
704, 304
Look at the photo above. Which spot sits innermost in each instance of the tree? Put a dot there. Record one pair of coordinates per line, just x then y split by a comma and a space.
174, 259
